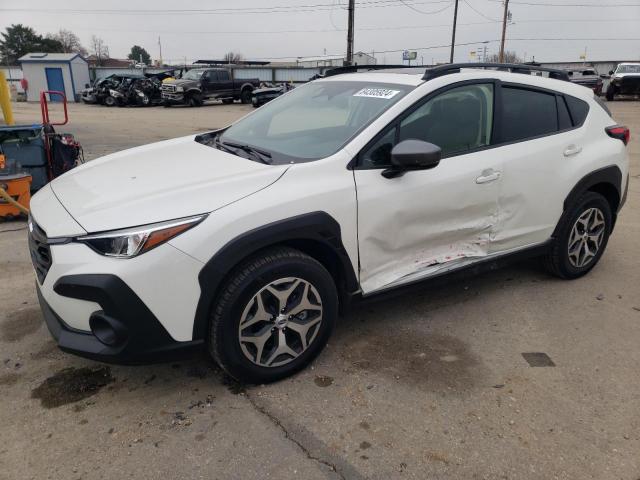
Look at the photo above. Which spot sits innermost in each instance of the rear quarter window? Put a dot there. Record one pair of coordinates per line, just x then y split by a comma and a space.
527, 114
578, 110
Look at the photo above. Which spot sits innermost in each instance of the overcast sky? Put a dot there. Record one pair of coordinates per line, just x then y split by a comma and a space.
312, 27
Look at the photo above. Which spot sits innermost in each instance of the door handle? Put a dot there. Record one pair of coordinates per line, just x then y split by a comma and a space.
487, 176
572, 150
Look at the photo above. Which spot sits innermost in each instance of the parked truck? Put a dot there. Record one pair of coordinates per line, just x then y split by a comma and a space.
202, 84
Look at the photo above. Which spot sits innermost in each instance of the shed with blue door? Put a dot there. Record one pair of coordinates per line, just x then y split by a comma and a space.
63, 72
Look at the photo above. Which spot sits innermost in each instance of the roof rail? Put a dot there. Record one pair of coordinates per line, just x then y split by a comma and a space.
440, 70
357, 68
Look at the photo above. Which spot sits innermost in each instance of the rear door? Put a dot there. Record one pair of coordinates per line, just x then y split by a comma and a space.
426, 221
541, 148
225, 84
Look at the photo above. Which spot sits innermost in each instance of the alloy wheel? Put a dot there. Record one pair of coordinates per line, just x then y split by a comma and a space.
586, 237
280, 322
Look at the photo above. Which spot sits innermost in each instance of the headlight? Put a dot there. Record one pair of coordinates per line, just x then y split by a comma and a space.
179, 89
128, 243
115, 93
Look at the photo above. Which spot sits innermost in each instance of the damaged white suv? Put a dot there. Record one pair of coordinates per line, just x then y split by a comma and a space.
248, 240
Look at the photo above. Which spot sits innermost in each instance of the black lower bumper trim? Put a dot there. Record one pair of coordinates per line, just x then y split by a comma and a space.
145, 339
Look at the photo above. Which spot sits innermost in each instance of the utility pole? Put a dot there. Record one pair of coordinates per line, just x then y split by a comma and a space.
453, 34
504, 30
352, 8
160, 45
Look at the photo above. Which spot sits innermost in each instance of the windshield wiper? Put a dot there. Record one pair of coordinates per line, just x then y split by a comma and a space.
261, 155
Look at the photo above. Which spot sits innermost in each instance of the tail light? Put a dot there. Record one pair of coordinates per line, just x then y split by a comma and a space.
620, 132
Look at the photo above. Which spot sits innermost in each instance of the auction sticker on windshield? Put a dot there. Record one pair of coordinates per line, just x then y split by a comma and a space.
377, 93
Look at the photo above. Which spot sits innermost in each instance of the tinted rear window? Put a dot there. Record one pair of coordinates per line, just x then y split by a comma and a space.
578, 109
527, 114
564, 120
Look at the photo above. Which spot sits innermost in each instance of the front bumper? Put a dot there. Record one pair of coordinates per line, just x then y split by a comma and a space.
123, 329
173, 98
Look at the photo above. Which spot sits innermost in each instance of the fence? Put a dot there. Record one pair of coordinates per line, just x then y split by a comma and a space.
265, 74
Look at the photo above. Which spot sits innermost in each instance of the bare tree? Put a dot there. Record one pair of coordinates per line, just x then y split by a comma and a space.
232, 57
509, 57
99, 49
69, 41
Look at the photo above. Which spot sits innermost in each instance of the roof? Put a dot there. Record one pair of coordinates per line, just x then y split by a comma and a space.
414, 77
39, 57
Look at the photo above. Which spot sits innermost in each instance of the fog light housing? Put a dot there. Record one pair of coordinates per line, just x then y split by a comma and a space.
107, 330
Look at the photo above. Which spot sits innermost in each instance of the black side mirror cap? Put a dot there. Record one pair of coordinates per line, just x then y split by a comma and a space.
412, 154
610, 72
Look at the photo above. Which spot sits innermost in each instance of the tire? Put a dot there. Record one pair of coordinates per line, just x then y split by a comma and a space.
227, 101
110, 101
610, 93
579, 225
245, 96
296, 277
194, 100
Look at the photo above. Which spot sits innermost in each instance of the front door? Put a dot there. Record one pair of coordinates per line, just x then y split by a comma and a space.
55, 82
427, 221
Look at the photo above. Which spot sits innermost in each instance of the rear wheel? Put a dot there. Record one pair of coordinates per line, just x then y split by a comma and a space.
245, 96
274, 316
582, 237
195, 100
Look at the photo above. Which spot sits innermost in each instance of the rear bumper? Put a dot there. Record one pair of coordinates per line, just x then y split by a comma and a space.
123, 330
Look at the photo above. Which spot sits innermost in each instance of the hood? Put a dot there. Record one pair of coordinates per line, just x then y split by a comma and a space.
157, 182
180, 82
625, 75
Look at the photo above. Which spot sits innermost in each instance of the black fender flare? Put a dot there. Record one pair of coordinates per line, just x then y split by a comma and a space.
246, 86
611, 175
191, 91
318, 227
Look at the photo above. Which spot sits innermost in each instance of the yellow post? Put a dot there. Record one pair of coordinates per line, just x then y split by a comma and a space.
5, 100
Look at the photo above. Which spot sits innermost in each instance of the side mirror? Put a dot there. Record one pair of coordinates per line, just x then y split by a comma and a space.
610, 72
86, 85
412, 155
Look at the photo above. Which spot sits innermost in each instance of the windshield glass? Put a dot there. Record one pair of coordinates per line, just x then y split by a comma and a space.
193, 75
628, 69
315, 120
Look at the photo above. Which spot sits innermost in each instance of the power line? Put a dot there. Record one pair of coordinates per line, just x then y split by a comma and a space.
480, 13
422, 11
599, 5
226, 11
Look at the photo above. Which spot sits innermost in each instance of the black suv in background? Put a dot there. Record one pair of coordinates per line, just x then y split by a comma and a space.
202, 84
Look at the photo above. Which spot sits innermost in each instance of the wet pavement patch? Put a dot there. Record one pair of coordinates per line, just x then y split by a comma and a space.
20, 323
432, 360
9, 379
538, 359
323, 380
71, 385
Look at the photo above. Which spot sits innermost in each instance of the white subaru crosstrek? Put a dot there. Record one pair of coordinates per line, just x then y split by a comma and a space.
248, 240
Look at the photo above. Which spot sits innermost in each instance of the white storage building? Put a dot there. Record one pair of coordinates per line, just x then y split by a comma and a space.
63, 72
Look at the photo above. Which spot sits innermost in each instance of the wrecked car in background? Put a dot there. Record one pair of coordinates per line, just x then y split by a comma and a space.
200, 84
587, 77
625, 80
268, 92
127, 89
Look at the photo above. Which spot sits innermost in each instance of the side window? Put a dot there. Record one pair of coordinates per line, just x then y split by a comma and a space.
578, 108
564, 120
210, 76
457, 121
223, 76
527, 113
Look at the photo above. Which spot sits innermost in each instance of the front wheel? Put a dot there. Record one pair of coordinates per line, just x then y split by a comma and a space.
582, 237
274, 316
609, 95
245, 96
110, 101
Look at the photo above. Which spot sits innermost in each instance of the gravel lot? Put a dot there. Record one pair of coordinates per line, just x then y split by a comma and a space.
428, 383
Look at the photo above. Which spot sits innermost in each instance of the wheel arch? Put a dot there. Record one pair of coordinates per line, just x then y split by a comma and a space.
247, 86
317, 234
606, 181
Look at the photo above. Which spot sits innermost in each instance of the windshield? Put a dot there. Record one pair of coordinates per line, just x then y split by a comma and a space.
628, 69
193, 75
314, 121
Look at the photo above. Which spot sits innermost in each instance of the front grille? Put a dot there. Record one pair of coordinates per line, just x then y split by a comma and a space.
168, 88
39, 250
